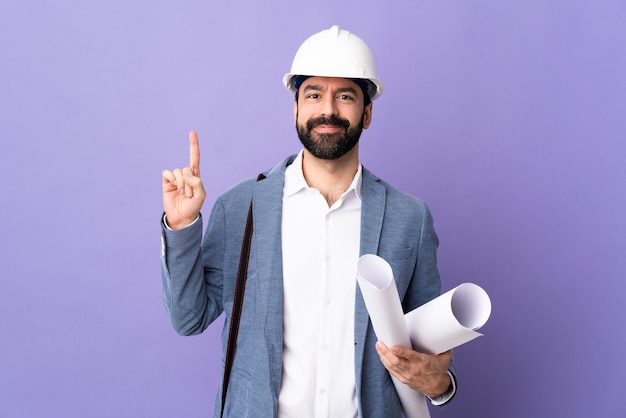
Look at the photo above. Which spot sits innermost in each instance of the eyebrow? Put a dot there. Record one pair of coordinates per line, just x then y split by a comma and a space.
346, 89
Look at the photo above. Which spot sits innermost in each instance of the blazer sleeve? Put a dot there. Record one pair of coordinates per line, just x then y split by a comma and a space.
191, 275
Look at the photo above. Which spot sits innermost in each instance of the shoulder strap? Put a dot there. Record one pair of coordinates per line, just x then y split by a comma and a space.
240, 287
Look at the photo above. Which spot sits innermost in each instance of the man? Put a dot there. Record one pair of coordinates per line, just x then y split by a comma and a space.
305, 345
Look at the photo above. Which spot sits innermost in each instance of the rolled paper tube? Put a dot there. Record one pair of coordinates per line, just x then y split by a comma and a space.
380, 294
449, 320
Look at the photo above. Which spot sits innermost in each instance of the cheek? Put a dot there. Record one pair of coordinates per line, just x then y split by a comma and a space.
301, 116
356, 119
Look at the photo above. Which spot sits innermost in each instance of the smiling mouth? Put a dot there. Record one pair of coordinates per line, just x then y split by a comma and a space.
327, 128
327, 125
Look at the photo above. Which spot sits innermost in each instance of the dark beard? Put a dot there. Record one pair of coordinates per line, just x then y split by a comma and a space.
329, 146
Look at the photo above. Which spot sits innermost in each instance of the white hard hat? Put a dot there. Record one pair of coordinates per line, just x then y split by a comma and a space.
335, 52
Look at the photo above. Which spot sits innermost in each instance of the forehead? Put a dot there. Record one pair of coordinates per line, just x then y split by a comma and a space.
330, 83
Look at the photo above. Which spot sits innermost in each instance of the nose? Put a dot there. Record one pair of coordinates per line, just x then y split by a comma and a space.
328, 106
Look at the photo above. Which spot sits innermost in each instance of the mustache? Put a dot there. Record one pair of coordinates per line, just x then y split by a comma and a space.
323, 120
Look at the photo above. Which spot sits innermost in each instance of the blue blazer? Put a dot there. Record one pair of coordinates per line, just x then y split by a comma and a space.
199, 278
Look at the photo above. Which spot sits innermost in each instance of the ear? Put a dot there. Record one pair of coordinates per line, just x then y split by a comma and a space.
367, 116
295, 112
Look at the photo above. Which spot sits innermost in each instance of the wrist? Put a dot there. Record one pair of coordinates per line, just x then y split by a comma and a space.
442, 387
179, 224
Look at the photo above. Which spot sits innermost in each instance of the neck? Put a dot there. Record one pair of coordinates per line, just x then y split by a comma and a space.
331, 177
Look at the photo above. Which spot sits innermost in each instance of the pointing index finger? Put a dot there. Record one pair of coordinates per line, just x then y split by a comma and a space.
194, 153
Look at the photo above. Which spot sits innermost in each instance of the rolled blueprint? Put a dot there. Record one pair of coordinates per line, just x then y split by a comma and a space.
437, 326
380, 294
449, 320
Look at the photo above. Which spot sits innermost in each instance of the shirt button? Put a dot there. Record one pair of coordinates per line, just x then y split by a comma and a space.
322, 390
325, 347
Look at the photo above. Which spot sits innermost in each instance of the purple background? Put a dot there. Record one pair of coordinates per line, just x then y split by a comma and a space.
508, 118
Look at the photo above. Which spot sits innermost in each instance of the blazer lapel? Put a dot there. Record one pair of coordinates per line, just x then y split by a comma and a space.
267, 214
373, 195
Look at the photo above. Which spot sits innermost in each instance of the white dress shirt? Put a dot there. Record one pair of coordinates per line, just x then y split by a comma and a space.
320, 254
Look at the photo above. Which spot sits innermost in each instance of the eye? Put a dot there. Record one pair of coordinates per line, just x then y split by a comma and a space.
312, 96
346, 97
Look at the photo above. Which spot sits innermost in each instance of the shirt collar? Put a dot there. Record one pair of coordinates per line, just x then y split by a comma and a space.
295, 181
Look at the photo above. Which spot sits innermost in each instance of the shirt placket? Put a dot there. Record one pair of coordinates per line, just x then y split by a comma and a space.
324, 349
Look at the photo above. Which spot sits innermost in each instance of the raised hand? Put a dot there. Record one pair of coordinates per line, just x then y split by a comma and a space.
183, 192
